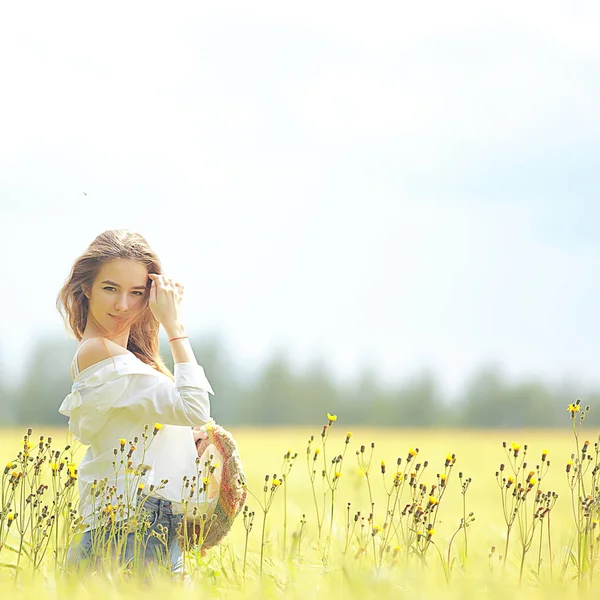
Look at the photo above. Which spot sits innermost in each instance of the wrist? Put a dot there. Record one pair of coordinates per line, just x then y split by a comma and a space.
175, 330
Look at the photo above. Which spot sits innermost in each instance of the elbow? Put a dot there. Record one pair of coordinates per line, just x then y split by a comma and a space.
197, 408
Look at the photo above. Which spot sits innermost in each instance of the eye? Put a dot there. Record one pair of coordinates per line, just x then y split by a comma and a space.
110, 287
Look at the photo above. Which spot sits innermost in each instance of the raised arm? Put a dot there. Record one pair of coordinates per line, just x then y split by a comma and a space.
155, 398
164, 302
140, 388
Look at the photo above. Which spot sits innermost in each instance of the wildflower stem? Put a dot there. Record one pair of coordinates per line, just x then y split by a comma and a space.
549, 547
284, 514
262, 541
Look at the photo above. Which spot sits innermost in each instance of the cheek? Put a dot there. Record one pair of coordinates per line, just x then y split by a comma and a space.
142, 303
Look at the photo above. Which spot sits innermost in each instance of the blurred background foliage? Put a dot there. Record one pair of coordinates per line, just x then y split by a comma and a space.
277, 393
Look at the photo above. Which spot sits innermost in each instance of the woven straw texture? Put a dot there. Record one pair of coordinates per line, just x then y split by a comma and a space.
231, 492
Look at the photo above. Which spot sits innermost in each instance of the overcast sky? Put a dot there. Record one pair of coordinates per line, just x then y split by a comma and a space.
400, 185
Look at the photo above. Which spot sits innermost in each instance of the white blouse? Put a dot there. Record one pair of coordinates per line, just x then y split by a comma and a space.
114, 399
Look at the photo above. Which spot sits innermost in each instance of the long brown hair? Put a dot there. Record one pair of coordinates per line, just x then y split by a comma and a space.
72, 302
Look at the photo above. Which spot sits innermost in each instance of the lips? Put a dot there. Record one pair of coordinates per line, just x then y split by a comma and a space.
116, 318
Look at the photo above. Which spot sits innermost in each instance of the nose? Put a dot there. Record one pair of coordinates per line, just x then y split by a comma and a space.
122, 303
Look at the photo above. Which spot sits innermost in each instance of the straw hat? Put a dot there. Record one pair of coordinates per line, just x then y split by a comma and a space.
226, 489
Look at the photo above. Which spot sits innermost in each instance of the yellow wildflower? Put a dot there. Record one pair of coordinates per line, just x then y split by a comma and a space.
158, 426
337, 474
573, 408
10, 516
412, 452
433, 500
331, 418
276, 482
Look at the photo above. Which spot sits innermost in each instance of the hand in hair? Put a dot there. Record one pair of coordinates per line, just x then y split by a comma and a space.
165, 300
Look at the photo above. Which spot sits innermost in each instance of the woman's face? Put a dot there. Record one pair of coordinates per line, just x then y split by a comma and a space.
118, 293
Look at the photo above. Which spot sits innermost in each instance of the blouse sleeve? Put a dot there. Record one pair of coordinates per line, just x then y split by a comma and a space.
158, 399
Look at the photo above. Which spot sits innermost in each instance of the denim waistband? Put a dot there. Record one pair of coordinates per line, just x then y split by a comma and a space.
162, 506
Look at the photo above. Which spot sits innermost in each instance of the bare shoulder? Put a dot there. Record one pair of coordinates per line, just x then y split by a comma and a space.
96, 350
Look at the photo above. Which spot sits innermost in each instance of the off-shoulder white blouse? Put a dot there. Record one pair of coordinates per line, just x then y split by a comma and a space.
114, 399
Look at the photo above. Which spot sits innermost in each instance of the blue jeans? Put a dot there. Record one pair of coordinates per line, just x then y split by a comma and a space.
159, 513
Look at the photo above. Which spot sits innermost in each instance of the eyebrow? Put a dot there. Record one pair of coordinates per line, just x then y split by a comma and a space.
135, 287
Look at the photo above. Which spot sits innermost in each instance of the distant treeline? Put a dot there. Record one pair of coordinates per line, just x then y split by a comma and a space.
277, 393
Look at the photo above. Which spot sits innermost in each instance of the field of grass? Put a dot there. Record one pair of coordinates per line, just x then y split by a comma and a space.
368, 558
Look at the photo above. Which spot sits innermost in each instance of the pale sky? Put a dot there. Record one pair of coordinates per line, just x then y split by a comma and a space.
390, 185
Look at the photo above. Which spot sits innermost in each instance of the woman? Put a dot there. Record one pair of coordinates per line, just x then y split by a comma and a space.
136, 417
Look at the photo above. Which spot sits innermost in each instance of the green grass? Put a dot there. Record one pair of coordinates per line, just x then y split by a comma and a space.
321, 568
